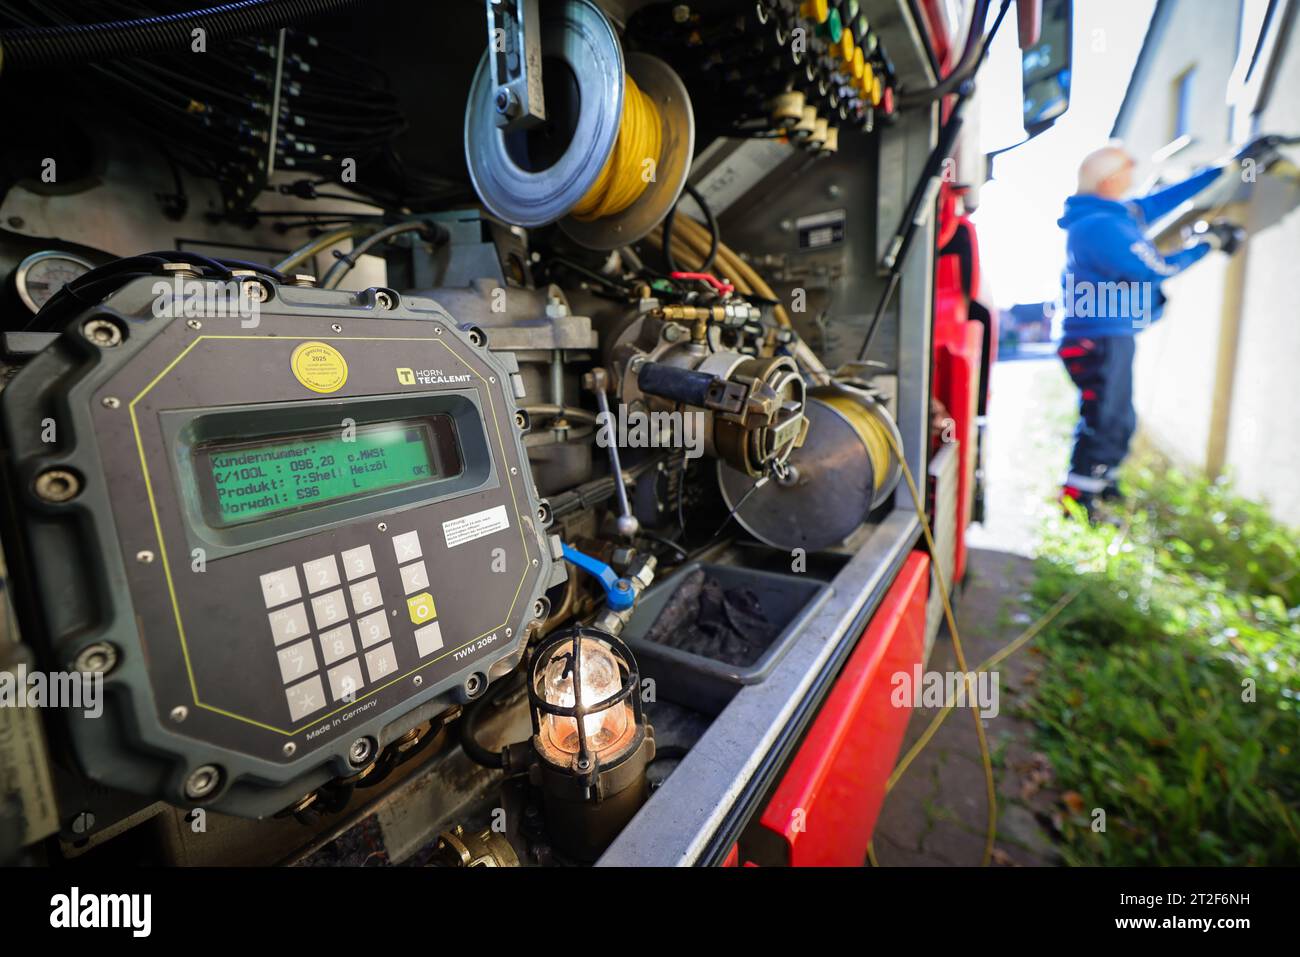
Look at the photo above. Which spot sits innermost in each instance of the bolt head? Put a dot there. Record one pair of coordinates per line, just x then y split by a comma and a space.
507, 103
57, 485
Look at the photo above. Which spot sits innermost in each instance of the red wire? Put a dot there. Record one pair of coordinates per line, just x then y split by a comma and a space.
723, 288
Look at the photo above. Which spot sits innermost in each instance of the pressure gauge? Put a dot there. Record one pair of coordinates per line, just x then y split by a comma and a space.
42, 274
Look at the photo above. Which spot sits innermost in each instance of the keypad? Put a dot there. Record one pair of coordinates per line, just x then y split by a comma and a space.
337, 644
346, 599
428, 639
289, 623
321, 574
407, 547
373, 628
329, 609
381, 662
305, 698
422, 608
415, 577
345, 680
296, 661
366, 595
280, 586
358, 562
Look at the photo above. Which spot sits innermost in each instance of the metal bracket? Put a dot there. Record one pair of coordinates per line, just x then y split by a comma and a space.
515, 54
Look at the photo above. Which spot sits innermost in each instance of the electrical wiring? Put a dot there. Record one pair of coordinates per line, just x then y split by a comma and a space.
216, 112
321, 243
347, 260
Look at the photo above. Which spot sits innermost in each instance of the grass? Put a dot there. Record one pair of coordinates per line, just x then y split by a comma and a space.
1170, 696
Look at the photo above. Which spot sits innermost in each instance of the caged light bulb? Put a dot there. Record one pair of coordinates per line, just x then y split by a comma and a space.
600, 679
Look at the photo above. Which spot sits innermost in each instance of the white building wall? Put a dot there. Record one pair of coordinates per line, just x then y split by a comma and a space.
1176, 360
1264, 426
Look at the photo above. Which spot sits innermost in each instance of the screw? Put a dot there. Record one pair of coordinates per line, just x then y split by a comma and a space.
336, 327
194, 324
57, 485
111, 402
382, 526
102, 333
179, 269
510, 632
83, 822
16, 222
289, 749
360, 751
99, 658
144, 557
473, 685
202, 782
539, 609
384, 301
417, 681
180, 713
302, 279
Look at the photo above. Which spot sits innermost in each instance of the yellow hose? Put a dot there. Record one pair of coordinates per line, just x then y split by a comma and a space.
629, 169
985, 757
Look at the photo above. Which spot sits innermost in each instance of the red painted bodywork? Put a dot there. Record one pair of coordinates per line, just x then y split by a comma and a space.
959, 343
825, 808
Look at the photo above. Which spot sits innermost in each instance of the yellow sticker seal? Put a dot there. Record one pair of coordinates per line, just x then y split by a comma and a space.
320, 367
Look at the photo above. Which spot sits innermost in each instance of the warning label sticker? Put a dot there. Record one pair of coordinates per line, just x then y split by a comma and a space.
458, 531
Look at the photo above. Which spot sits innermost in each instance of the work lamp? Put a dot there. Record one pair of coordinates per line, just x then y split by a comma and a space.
590, 737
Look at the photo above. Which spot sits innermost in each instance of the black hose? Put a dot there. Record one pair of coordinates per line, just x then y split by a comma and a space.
467, 726
75, 43
715, 236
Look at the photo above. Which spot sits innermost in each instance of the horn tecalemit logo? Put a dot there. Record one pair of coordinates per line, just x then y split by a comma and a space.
406, 376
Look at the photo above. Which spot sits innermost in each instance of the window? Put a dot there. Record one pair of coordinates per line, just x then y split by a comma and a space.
1184, 90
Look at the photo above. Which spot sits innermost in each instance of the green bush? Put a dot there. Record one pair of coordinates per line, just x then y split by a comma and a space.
1170, 696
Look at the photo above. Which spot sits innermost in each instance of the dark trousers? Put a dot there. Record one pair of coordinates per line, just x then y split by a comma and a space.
1102, 368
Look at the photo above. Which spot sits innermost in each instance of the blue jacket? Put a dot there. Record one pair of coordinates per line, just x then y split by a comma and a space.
1111, 282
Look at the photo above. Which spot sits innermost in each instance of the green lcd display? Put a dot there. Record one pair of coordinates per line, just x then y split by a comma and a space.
247, 481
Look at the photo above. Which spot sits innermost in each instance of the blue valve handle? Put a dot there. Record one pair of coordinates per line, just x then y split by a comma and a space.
618, 591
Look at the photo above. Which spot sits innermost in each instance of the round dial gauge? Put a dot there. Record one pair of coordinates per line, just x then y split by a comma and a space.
42, 274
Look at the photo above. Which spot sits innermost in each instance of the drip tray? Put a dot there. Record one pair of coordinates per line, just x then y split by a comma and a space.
707, 630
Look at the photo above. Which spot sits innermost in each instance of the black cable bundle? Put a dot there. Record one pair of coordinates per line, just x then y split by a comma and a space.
73, 43
221, 116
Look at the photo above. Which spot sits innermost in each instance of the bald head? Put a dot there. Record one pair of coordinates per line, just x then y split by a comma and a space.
1107, 172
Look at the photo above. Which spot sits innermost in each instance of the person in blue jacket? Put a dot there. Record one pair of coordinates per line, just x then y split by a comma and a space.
1111, 291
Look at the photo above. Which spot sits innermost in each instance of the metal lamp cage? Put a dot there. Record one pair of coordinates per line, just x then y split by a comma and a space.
587, 761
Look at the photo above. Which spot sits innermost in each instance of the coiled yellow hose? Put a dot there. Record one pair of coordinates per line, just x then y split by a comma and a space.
870, 429
631, 164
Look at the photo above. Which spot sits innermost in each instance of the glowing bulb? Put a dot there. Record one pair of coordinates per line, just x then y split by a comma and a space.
599, 680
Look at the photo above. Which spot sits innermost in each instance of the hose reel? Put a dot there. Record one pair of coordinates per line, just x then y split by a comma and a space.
844, 470
534, 177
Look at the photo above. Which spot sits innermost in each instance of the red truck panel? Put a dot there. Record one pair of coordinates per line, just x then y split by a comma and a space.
826, 806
